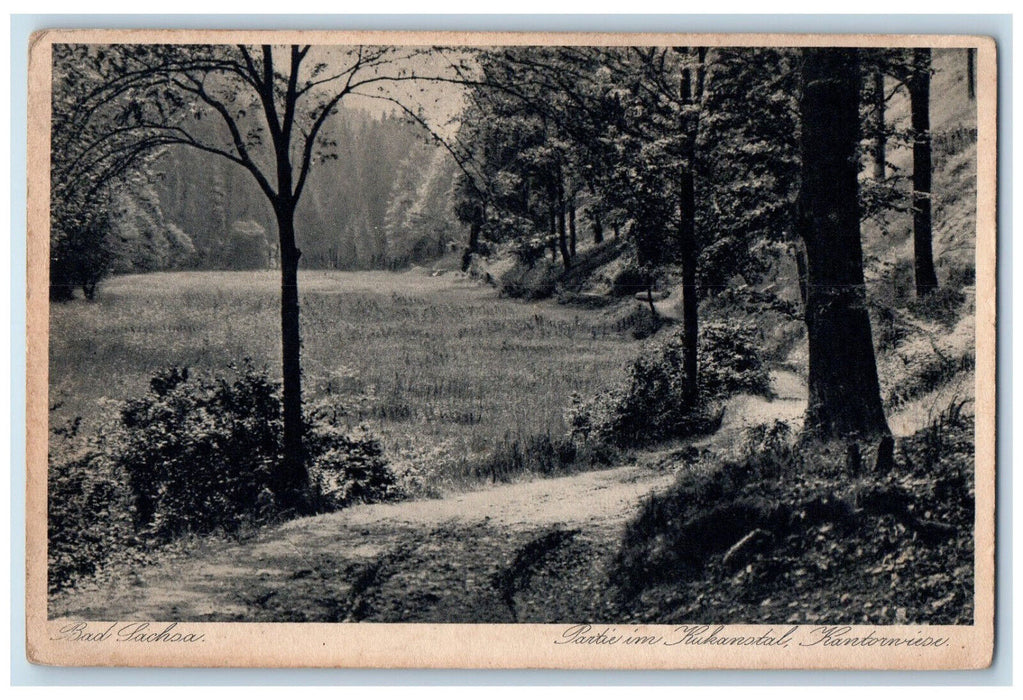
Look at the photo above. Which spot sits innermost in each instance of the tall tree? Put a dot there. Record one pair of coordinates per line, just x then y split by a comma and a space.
878, 137
81, 225
845, 396
260, 107
971, 75
691, 93
919, 85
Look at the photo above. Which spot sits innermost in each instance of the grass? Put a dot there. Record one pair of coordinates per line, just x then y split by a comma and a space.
444, 370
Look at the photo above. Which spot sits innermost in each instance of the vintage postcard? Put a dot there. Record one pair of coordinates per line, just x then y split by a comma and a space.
452, 350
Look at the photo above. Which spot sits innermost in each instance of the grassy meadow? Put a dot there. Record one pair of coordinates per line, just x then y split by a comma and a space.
441, 368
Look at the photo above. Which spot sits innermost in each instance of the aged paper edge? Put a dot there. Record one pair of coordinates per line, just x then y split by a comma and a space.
488, 646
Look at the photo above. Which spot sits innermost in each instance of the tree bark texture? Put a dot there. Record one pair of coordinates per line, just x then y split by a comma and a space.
292, 479
878, 126
920, 97
971, 76
571, 226
844, 392
566, 254
473, 247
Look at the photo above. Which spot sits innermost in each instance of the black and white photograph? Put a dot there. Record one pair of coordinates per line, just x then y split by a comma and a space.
681, 344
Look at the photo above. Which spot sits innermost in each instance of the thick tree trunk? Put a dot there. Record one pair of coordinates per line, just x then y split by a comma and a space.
844, 393
292, 479
920, 97
877, 97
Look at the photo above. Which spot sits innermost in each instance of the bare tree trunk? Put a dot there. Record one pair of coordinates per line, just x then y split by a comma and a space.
877, 95
687, 253
566, 254
845, 395
920, 97
473, 247
971, 76
650, 295
571, 225
292, 479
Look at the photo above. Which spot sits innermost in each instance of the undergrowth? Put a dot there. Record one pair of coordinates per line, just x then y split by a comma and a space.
194, 456
653, 402
799, 532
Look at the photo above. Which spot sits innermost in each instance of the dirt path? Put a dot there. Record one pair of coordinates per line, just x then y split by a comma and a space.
324, 567
470, 556
499, 554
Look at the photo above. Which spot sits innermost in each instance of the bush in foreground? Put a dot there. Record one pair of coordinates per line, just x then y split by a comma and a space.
194, 455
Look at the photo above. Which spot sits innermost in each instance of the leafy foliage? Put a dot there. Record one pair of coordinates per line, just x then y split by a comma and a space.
88, 515
856, 547
348, 467
143, 239
198, 452
748, 161
653, 404
731, 362
81, 249
196, 455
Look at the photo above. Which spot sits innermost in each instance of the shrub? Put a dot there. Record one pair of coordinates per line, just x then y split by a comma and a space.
531, 281
941, 305
198, 451
347, 468
196, 455
730, 361
652, 403
629, 280
88, 516
766, 437
959, 275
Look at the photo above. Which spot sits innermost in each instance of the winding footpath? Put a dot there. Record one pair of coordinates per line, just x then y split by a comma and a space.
482, 556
